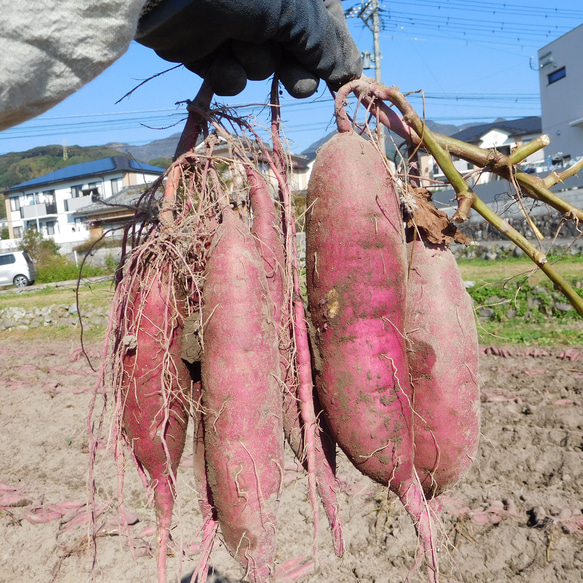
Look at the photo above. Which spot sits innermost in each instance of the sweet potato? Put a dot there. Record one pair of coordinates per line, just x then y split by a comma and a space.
155, 385
356, 278
210, 523
241, 398
443, 363
266, 229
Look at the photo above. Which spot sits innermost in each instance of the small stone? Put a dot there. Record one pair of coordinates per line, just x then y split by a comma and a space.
493, 300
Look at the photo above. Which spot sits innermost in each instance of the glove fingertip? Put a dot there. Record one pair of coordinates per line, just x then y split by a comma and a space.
298, 82
227, 77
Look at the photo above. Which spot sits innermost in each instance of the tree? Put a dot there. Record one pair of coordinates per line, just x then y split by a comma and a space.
39, 248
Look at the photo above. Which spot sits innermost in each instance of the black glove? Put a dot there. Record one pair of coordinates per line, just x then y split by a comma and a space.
230, 41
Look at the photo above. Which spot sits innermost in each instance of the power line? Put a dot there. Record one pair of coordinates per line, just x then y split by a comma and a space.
522, 10
56, 126
455, 19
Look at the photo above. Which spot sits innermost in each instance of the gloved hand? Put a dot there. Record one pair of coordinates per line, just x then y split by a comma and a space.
230, 41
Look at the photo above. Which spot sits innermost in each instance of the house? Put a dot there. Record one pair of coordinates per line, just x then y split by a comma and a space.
110, 215
561, 88
48, 203
502, 135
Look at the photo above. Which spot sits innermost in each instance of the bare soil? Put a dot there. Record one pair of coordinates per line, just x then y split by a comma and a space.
515, 517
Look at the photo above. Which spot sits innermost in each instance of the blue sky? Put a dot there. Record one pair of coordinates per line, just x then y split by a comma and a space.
475, 62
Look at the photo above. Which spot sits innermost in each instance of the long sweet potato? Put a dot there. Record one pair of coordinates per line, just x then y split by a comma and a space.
356, 278
266, 228
155, 385
241, 398
443, 362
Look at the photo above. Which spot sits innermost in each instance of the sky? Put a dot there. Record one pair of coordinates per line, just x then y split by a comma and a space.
474, 62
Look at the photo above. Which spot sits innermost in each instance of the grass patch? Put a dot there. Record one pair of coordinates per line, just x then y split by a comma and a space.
517, 304
531, 334
92, 295
502, 287
503, 269
52, 333
99, 294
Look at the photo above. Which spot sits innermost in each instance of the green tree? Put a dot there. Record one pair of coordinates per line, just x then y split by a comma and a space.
40, 249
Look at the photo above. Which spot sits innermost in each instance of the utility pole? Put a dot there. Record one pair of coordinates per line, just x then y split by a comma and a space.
376, 41
368, 12
377, 64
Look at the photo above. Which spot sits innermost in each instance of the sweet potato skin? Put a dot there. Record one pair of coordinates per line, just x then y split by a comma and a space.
241, 398
443, 363
356, 271
356, 278
155, 389
266, 229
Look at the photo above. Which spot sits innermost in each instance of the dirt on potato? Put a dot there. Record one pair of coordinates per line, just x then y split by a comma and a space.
515, 517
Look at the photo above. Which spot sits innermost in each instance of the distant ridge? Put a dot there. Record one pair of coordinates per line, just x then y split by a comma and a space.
163, 148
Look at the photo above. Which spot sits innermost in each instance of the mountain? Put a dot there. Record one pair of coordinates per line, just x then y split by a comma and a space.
163, 148
447, 129
17, 167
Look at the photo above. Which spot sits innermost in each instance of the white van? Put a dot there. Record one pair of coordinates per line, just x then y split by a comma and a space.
16, 268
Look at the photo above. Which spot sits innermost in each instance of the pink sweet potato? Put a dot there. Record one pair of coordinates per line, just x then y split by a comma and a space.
266, 229
210, 523
443, 362
155, 385
241, 398
356, 277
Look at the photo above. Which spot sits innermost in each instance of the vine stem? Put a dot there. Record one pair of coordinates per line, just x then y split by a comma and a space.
533, 253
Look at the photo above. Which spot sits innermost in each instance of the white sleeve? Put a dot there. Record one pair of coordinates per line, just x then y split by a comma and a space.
51, 48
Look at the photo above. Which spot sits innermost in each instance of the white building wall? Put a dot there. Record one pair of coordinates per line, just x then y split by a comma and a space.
496, 138
561, 96
34, 207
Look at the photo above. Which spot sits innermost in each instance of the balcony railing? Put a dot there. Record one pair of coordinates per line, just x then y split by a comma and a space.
72, 204
38, 210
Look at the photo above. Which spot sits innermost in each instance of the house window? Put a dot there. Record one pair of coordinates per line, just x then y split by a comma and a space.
115, 185
18, 232
51, 228
556, 75
15, 203
76, 191
92, 190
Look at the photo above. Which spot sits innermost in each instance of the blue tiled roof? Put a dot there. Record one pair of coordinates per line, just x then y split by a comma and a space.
96, 167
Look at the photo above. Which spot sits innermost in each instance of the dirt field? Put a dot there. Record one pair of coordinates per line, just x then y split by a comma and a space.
516, 517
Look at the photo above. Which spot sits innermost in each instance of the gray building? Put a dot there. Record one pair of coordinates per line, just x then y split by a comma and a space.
561, 92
